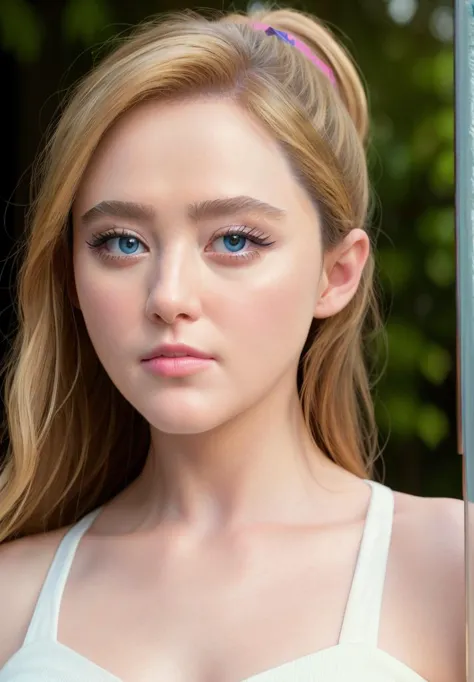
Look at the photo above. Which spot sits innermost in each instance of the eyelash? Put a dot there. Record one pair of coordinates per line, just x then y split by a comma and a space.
99, 241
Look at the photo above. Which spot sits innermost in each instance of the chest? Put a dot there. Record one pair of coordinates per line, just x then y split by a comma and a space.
223, 614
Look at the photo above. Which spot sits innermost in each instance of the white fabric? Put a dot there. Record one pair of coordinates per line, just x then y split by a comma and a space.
355, 658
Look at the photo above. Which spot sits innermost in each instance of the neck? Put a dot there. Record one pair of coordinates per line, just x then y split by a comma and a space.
259, 467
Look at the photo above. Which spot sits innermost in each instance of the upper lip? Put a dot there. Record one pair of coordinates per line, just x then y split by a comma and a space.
169, 349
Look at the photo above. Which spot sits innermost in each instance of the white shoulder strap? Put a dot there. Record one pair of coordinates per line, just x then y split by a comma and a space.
44, 623
362, 615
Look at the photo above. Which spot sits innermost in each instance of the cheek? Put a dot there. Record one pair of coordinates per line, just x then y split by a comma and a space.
270, 311
110, 309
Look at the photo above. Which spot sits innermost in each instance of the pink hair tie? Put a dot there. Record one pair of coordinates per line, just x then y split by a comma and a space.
300, 46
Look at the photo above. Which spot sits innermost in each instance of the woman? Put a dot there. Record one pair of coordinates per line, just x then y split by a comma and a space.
188, 494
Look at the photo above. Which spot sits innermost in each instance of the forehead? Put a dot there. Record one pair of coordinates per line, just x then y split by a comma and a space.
191, 150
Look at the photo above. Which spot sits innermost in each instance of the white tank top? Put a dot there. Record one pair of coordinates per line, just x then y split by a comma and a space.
356, 657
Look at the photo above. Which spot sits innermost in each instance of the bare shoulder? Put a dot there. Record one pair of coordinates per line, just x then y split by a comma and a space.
439, 520
24, 564
431, 530
426, 572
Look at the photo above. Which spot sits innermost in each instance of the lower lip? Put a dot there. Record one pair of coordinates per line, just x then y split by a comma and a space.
177, 367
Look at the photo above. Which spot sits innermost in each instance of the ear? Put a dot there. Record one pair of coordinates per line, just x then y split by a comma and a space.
342, 270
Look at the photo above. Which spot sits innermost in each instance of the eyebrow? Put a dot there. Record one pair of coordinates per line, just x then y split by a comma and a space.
119, 209
211, 208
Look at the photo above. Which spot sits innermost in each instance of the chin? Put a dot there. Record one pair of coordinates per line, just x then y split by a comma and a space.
183, 418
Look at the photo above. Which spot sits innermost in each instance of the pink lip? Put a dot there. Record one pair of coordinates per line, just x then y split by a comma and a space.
159, 362
177, 367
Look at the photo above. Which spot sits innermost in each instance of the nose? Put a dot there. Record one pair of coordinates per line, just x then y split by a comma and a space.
175, 291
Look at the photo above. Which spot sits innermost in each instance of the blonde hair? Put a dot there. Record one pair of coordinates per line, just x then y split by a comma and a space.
74, 441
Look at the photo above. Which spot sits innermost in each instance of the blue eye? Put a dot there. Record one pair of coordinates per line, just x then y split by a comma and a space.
234, 242
128, 243
240, 241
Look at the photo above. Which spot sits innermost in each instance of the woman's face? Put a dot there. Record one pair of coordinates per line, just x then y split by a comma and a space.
211, 243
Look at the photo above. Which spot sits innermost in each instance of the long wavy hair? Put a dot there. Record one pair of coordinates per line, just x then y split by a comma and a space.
74, 442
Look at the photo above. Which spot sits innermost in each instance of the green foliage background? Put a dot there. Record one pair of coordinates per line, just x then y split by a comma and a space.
408, 66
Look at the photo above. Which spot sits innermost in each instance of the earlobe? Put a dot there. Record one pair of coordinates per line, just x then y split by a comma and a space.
343, 268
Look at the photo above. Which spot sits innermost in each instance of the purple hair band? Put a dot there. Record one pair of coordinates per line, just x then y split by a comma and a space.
300, 46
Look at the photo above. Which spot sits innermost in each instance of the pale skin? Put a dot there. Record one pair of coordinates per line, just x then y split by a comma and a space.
235, 548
